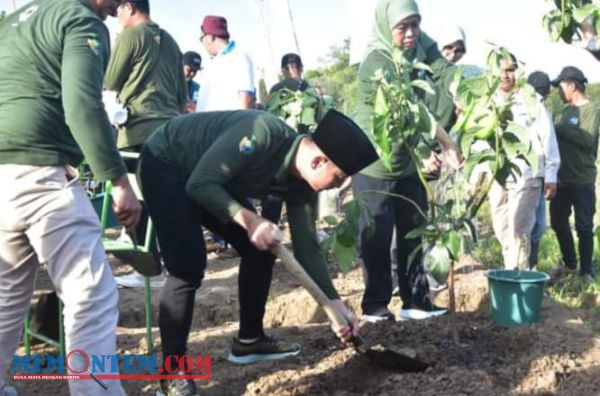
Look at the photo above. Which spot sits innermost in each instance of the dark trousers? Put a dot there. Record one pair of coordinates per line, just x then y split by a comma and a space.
178, 221
140, 231
271, 209
386, 212
582, 198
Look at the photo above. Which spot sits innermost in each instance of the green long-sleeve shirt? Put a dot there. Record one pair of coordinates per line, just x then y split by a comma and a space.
439, 104
231, 155
577, 130
53, 56
146, 69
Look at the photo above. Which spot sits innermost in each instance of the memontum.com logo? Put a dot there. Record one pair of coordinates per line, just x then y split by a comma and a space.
79, 365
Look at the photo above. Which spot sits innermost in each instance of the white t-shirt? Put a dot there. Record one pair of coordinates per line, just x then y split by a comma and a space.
223, 78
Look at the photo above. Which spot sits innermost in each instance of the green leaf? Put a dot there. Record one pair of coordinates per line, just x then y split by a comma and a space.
344, 255
437, 262
453, 244
308, 116
583, 12
422, 66
331, 220
416, 233
476, 159
428, 123
518, 131
380, 106
423, 85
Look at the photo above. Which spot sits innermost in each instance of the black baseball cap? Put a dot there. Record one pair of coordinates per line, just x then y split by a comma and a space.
193, 60
570, 73
141, 2
540, 82
291, 58
344, 143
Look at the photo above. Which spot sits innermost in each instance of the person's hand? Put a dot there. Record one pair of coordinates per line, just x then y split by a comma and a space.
346, 333
433, 163
263, 234
453, 156
190, 107
549, 190
125, 204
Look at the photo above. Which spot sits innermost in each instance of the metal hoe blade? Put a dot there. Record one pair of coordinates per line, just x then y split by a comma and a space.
390, 359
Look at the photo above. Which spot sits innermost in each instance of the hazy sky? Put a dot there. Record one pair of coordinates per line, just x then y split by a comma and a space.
323, 23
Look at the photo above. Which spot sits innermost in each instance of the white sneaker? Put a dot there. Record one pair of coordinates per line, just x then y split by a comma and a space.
7, 390
419, 314
135, 279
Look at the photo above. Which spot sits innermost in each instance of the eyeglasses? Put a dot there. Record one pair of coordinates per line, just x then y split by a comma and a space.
202, 37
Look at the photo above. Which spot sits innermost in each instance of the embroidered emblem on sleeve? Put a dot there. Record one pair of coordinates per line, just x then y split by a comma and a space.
94, 45
247, 144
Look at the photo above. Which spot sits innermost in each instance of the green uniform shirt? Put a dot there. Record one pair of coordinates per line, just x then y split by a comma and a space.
293, 84
146, 69
440, 105
577, 131
52, 59
228, 156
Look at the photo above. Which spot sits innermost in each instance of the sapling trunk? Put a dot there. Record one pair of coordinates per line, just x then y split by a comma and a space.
453, 324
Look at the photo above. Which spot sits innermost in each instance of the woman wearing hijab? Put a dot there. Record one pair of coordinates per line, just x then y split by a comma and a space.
397, 28
452, 43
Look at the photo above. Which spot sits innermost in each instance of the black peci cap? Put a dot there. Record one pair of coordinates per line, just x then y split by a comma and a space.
344, 143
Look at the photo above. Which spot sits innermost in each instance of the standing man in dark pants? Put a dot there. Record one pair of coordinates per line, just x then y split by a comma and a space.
198, 170
577, 131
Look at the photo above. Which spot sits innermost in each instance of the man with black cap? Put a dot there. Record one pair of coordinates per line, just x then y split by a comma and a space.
291, 69
146, 70
198, 170
541, 84
192, 62
228, 78
577, 131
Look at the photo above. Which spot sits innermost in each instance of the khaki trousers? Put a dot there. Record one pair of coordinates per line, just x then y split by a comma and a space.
513, 208
46, 217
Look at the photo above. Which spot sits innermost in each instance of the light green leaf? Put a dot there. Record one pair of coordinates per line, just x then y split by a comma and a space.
422, 66
380, 106
344, 255
520, 132
427, 121
583, 12
453, 244
423, 85
308, 116
331, 220
437, 262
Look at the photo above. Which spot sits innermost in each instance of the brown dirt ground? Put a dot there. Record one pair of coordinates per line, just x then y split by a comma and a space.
558, 356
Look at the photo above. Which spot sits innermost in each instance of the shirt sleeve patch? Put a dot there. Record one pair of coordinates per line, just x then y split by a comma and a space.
95, 45
247, 144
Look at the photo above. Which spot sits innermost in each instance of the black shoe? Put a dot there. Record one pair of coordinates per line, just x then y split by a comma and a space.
178, 387
267, 348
